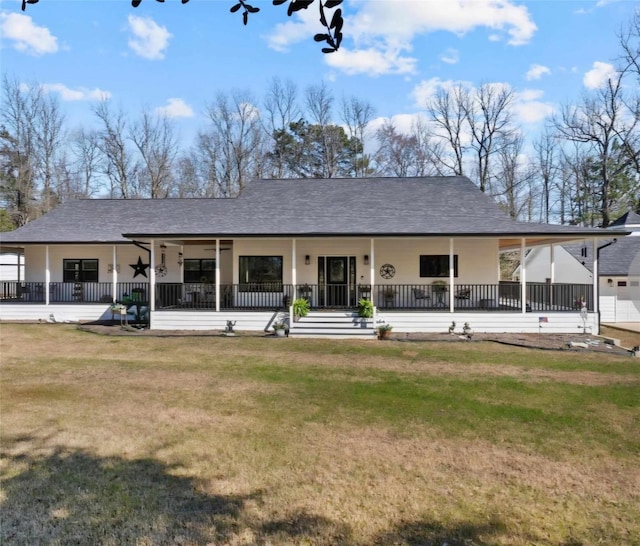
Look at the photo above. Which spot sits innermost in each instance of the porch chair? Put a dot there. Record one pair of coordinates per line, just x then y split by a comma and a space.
463, 294
420, 294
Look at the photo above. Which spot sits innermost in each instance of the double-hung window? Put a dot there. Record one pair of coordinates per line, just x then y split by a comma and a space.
80, 270
260, 273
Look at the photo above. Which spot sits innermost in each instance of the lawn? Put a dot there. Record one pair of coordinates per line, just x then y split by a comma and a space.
112, 440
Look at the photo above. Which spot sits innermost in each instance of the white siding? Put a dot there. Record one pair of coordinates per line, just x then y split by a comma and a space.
617, 303
567, 269
557, 323
61, 313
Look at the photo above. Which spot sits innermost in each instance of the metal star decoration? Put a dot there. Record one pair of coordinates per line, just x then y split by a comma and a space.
139, 268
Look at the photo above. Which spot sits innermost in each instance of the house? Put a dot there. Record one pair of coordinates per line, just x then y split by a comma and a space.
618, 269
425, 250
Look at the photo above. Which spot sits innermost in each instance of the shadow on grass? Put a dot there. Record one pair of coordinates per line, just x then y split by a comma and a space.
73, 497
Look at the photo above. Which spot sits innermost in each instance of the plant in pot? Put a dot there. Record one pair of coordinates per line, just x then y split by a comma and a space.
365, 308
384, 331
300, 308
467, 330
280, 329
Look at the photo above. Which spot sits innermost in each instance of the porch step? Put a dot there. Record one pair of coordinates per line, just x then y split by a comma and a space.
339, 324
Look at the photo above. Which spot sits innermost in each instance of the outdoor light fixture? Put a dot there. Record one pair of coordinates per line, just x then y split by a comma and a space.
307, 259
180, 261
610, 282
366, 259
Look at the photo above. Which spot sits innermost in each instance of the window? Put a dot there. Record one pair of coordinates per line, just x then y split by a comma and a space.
199, 270
260, 273
437, 265
80, 270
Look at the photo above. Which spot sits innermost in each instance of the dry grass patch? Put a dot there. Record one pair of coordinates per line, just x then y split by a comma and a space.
198, 441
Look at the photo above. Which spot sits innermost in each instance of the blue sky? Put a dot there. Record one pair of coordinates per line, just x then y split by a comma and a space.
174, 58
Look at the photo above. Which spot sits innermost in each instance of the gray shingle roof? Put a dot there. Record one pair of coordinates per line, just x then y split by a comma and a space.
628, 219
615, 259
304, 207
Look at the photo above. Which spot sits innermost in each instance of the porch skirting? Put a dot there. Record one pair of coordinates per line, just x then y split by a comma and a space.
402, 321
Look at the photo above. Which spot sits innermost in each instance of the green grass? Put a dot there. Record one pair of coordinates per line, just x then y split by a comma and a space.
210, 440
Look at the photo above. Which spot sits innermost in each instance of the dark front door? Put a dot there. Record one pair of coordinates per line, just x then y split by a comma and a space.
336, 278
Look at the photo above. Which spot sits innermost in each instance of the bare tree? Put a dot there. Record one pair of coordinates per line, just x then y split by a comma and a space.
85, 148
630, 45
356, 115
545, 164
233, 142
514, 188
488, 115
446, 111
49, 134
280, 111
154, 137
19, 156
319, 102
118, 162
32, 141
608, 126
413, 154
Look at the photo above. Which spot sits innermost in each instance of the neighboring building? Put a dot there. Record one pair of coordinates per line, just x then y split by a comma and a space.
618, 269
425, 250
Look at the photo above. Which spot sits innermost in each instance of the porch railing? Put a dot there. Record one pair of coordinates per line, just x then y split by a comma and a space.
505, 296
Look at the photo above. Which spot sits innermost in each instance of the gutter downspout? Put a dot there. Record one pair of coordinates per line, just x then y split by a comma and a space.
596, 276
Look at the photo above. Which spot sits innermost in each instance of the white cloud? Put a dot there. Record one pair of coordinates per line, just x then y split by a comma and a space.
175, 108
79, 94
388, 28
426, 89
598, 75
26, 36
371, 62
450, 56
536, 71
149, 39
528, 108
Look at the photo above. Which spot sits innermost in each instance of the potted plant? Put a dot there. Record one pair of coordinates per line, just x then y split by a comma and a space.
466, 330
280, 329
384, 331
365, 308
300, 308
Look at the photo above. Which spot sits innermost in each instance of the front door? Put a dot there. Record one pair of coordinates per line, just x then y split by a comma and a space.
336, 279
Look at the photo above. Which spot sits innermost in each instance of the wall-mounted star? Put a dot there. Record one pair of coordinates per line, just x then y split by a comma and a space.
139, 268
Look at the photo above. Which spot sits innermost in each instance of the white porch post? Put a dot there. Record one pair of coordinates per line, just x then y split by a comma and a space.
114, 278
217, 275
294, 269
372, 267
552, 272
47, 276
152, 280
523, 275
596, 276
451, 275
